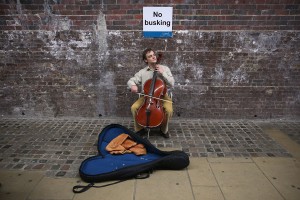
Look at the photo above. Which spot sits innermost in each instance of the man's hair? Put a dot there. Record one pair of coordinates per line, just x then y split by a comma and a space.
145, 52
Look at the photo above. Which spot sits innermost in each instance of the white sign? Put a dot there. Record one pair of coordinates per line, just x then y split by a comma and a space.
157, 21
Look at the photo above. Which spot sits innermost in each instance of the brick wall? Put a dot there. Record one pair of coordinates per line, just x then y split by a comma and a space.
230, 59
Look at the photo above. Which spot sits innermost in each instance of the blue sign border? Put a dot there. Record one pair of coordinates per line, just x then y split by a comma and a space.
157, 34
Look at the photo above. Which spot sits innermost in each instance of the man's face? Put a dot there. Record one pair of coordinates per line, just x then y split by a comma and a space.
150, 57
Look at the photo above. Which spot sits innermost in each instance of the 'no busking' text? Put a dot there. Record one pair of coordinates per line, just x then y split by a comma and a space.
158, 22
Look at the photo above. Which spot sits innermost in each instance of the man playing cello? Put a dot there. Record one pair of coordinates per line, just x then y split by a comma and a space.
163, 73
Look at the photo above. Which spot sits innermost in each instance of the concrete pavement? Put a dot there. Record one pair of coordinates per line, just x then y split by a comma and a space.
230, 159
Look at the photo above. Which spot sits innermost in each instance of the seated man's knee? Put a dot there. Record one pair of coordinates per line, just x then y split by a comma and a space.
169, 111
133, 108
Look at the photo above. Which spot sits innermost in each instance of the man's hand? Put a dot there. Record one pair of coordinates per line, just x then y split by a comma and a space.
134, 88
159, 68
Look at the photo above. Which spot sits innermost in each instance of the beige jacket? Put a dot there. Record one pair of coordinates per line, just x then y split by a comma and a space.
146, 73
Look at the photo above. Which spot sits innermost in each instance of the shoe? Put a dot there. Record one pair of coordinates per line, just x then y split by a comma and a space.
165, 135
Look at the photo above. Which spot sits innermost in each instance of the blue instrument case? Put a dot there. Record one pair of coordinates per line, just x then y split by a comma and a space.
108, 167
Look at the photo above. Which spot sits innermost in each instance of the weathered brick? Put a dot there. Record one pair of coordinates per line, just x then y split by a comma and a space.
226, 58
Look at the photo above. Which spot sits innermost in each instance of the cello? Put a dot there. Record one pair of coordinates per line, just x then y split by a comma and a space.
151, 113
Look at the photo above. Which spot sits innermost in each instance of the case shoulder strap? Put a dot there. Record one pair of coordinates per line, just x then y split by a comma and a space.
83, 188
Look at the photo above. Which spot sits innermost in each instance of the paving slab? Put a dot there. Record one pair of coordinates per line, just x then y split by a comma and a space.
204, 184
18, 184
166, 185
124, 190
283, 173
54, 189
243, 181
207, 193
200, 173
